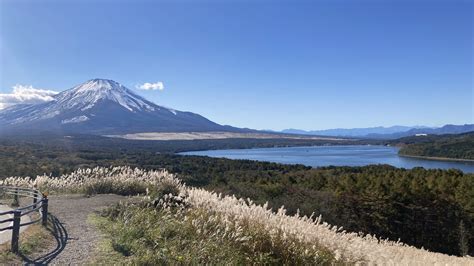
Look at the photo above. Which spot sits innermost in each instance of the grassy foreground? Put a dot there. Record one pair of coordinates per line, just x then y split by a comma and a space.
176, 223
140, 234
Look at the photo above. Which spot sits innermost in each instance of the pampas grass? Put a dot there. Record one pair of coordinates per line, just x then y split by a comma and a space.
241, 220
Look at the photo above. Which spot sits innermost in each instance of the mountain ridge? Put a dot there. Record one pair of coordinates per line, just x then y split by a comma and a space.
102, 106
352, 131
380, 132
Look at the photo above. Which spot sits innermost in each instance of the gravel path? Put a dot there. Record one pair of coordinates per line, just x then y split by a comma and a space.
6, 236
76, 239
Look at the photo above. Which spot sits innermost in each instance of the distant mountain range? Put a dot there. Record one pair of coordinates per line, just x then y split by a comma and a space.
385, 132
102, 106
352, 132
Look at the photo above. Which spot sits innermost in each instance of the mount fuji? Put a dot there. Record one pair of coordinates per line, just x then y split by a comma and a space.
101, 106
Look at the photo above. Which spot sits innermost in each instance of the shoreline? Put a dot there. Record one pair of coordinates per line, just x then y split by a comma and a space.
437, 158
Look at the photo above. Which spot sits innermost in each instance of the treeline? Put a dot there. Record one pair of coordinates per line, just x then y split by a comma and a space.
446, 146
32, 155
433, 209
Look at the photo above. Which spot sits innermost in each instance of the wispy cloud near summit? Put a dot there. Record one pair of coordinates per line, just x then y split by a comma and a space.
151, 86
25, 94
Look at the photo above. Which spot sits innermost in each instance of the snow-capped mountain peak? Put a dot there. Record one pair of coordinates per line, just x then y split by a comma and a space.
98, 84
101, 106
86, 95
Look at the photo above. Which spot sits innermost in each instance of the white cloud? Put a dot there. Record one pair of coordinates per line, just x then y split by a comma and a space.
26, 95
152, 86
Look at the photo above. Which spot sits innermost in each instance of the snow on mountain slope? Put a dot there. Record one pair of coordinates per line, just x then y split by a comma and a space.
86, 95
102, 106
76, 119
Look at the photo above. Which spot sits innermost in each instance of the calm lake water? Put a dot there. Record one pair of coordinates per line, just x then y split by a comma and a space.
334, 155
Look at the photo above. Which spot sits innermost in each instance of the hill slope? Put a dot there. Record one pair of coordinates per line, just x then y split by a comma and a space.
459, 146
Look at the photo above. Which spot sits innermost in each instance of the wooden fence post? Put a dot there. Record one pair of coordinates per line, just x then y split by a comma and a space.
44, 211
35, 200
16, 230
16, 202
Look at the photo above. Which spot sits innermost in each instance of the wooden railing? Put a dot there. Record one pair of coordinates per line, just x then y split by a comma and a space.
39, 204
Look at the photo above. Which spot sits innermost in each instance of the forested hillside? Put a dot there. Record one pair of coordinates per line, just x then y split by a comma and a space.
459, 146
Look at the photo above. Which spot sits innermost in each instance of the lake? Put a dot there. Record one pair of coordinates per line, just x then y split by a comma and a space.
334, 155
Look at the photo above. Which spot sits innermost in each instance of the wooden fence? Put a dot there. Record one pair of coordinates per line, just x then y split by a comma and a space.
39, 204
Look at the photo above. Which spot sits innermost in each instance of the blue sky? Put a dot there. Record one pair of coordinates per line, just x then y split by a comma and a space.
257, 64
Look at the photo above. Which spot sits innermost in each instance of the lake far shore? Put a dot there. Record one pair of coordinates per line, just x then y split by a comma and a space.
437, 158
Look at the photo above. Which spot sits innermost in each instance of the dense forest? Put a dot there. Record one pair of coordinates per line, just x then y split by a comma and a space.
31, 155
433, 209
460, 146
